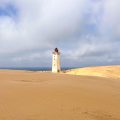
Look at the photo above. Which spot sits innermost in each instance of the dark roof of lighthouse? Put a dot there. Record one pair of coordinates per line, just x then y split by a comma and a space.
56, 50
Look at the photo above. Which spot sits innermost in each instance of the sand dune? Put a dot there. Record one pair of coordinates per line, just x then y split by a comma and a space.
103, 71
46, 96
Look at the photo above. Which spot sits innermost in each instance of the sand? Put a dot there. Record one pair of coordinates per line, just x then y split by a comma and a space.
101, 71
46, 96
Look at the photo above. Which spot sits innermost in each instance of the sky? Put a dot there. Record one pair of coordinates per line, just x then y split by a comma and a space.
87, 32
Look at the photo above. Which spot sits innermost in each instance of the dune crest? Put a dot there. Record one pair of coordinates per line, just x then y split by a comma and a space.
101, 71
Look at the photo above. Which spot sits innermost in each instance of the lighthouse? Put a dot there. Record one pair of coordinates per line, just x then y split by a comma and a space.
56, 61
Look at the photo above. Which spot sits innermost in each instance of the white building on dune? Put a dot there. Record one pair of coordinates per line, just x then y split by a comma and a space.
56, 61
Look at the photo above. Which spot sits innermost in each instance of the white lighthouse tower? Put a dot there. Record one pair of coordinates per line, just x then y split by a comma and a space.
56, 61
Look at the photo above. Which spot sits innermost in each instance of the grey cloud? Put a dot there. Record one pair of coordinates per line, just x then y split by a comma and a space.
86, 31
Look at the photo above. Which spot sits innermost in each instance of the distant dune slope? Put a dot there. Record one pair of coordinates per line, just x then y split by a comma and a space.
102, 71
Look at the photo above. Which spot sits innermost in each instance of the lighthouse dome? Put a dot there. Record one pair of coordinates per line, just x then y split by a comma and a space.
56, 50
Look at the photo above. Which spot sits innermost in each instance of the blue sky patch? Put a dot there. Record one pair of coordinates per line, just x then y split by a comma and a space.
9, 10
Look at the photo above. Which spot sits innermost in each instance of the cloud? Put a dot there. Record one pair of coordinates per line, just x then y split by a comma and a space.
86, 31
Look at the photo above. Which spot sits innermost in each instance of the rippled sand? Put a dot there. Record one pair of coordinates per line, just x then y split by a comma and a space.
46, 96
